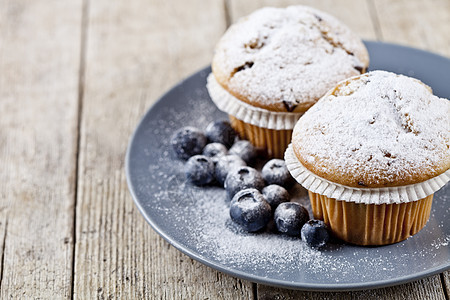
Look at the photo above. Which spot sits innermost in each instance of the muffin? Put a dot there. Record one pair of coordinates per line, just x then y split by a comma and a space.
371, 153
274, 64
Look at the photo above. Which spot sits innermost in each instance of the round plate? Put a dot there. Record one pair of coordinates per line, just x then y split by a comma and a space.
196, 221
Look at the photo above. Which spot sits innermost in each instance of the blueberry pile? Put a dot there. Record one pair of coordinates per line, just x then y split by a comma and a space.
218, 157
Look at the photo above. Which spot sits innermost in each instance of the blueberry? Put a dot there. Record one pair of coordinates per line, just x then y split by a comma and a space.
221, 132
188, 141
242, 178
225, 164
276, 172
275, 195
215, 149
199, 170
315, 233
245, 150
215, 160
290, 217
250, 210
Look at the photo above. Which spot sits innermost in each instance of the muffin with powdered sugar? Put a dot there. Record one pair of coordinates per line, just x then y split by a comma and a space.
372, 152
274, 64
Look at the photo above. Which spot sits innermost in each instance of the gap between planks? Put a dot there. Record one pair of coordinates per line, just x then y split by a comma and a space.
444, 283
81, 83
375, 20
226, 8
2, 262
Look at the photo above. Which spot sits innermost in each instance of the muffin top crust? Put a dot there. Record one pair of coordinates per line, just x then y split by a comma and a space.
285, 59
375, 130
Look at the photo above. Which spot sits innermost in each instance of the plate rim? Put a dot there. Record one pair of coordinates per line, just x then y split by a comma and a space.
318, 287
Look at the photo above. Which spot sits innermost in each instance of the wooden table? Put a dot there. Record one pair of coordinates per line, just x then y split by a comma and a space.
75, 78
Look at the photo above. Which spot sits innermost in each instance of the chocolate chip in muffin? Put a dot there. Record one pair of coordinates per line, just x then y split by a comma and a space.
245, 66
359, 69
289, 106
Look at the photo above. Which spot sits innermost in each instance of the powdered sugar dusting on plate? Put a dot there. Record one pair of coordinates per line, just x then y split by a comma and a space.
196, 220
201, 217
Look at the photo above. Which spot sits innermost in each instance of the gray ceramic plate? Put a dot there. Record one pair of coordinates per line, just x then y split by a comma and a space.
195, 220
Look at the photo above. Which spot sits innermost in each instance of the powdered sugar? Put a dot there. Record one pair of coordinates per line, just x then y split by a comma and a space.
286, 57
287, 213
441, 242
233, 245
377, 130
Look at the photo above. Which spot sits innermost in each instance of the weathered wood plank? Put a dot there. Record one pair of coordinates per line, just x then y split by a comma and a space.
39, 62
370, 24
354, 13
425, 289
446, 281
416, 23
135, 51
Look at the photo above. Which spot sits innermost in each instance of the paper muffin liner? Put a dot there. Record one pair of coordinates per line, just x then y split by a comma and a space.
247, 113
371, 224
387, 195
274, 141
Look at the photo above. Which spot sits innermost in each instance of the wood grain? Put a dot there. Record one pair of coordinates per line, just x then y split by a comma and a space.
39, 61
134, 52
416, 23
446, 282
358, 18
425, 289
